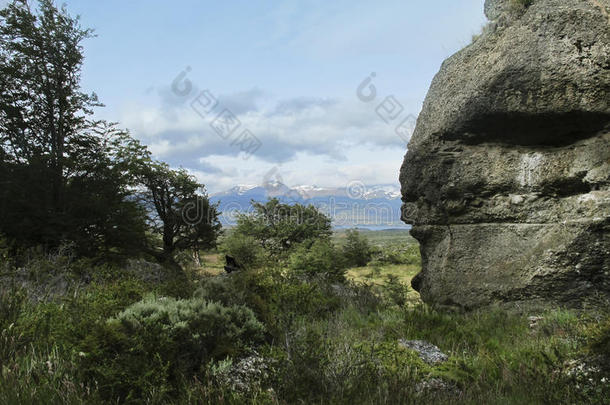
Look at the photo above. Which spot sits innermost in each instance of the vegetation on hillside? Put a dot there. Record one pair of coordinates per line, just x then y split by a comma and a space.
272, 334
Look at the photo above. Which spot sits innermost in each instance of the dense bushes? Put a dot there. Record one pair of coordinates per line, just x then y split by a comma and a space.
318, 259
245, 249
284, 332
156, 343
277, 299
39, 340
321, 343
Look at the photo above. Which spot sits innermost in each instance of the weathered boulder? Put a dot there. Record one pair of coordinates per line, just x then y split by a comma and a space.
507, 176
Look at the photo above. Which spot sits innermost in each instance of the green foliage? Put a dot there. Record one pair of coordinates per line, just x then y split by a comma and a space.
395, 290
38, 341
278, 228
153, 345
357, 251
67, 177
407, 254
318, 259
183, 217
339, 361
251, 288
44, 377
52, 156
11, 307
600, 342
245, 249
324, 344
278, 300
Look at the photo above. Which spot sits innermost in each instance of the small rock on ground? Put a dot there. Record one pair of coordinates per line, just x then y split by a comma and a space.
428, 352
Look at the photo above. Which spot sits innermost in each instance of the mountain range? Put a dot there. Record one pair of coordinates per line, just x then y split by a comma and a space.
357, 205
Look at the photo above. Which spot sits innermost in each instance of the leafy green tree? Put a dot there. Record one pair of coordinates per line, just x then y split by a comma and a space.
179, 210
63, 175
278, 227
105, 212
44, 113
320, 258
357, 250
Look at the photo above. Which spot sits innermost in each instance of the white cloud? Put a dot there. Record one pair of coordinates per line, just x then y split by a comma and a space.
324, 127
313, 141
371, 166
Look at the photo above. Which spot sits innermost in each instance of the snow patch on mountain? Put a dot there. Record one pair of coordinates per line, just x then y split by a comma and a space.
307, 192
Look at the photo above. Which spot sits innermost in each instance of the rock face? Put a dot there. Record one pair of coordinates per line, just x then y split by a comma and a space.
507, 176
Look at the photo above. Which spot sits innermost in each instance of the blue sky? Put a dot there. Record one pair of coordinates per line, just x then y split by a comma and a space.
287, 70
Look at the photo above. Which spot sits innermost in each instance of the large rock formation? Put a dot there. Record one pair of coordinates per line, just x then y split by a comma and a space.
507, 176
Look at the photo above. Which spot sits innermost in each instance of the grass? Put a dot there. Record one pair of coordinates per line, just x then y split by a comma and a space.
378, 276
378, 238
212, 264
323, 344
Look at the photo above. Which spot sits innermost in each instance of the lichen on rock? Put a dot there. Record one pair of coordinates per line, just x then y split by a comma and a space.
507, 176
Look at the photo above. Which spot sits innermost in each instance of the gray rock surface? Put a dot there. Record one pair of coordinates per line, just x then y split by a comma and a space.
437, 387
507, 176
429, 353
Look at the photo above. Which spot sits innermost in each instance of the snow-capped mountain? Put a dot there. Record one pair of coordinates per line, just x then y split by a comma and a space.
373, 207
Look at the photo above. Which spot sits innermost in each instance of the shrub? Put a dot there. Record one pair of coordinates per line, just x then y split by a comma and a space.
395, 291
277, 299
245, 249
357, 251
221, 289
153, 346
246, 376
319, 259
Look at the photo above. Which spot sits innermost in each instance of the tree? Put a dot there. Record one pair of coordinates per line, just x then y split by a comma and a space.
180, 212
279, 227
101, 189
44, 113
244, 249
63, 176
357, 250
321, 258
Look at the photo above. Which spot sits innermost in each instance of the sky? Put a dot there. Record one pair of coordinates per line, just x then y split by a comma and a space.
235, 90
